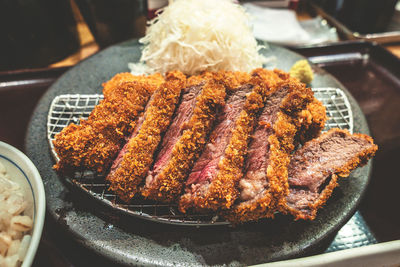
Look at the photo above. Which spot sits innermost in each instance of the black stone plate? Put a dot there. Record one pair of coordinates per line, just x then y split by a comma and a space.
132, 241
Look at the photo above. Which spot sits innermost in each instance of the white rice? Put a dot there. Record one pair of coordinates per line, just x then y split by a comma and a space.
15, 227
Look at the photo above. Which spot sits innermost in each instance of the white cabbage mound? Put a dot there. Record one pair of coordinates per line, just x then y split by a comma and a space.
197, 35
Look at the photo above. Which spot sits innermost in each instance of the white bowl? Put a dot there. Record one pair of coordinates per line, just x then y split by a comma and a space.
23, 171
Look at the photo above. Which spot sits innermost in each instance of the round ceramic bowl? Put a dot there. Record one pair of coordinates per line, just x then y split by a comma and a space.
22, 171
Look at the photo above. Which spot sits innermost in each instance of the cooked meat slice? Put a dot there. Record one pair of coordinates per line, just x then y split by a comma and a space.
264, 185
315, 168
94, 143
139, 122
212, 182
154, 80
207, 164
184, 140
138, 157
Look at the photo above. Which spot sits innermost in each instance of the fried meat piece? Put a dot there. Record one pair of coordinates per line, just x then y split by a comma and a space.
116, 163
139, 150
310, 122
153, 80
264, 186
94, 143
314, 169
212, 183
230, 79
185, 138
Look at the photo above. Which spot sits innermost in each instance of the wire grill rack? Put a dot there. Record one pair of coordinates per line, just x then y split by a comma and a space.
66, 109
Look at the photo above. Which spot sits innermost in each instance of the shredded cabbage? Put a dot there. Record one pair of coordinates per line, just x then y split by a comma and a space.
197, 35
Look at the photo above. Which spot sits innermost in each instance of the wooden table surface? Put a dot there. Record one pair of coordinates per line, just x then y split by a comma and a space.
394, 48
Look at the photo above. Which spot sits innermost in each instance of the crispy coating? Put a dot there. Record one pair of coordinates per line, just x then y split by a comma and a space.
302, 123
343, 171
95, 142
140, 149
153, 80
222, 191
311, 121
281, 144
167, 185
230, 79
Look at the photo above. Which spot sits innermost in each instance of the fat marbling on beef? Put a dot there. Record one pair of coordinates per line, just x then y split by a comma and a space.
185, 138
137, 156
264, 186
315, 168
212, 183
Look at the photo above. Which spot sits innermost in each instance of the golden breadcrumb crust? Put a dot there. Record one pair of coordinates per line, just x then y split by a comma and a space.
311, 121
281, 145
299, 105
168, 183
140, 149
230, 79
153, 80
94, 142
357, 161
222, 191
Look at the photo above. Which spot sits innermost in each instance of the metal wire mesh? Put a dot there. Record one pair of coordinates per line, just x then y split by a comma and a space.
338, 108
66, 109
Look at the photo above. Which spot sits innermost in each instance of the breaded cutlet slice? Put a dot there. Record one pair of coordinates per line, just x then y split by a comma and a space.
212, 183
153, 80
264, 186
139, 150
314, 169
93, 144
185, 138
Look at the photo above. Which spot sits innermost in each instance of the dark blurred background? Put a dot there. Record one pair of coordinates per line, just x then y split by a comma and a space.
362, 16
37, 33
42, 33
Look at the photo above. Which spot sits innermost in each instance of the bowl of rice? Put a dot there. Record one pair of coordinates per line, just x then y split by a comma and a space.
22, 208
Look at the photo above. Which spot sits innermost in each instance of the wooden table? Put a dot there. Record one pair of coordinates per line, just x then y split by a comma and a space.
394, 48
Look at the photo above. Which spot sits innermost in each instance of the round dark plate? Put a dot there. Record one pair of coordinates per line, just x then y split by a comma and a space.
130, 240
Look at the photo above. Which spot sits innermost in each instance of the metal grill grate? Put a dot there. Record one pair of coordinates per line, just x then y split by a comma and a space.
66, 109
338, 108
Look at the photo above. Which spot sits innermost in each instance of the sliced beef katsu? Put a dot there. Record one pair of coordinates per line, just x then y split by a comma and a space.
139, 122
137, 156
184, 140
212, 183
94, 143
264, 186
315, 168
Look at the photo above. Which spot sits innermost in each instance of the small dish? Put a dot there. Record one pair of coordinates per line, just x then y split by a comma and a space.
22, 171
